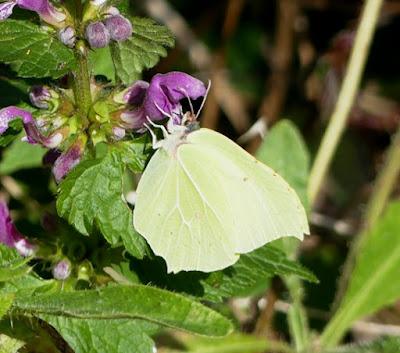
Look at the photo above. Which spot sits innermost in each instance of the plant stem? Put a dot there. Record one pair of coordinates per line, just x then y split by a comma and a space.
81, 82
296, 316
346, 97
81, 76
384, 184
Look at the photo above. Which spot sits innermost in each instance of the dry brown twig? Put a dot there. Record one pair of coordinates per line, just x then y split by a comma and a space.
278, 82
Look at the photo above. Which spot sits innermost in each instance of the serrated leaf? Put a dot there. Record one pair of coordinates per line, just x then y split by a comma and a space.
235, 281
32, 51
252, 268
12, 265
21, 155
384, 345
374, 282
14, 129
134, 153
6, 301
130, 302
92, 195
104, 336
142, 51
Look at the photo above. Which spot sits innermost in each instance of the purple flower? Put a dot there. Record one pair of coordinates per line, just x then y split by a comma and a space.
62, 270
118, 132
67, 36
120, 28
44, 8
10, 113
33, 135
97, 35
39, 97
161, 98
68, 160
9, 234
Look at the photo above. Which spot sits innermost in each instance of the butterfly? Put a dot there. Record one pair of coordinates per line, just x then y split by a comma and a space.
203, 200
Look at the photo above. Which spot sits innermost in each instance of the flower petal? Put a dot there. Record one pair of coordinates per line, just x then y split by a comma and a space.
166, 90
136, 93
67, 161
9, 234
10, 113
45, 9
6, 9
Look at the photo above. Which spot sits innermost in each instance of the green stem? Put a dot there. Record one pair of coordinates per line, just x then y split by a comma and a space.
385, 183
297, 317
383, 188
346, 97
81, 82
81, 76
335, 330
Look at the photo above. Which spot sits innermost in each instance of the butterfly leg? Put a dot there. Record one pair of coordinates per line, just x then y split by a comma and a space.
162, 127
155, 143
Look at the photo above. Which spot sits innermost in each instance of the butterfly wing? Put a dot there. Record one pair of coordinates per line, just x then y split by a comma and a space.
262, 206
212, 201
177, 221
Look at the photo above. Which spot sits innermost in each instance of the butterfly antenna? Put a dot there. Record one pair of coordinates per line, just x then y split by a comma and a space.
155, 143
189, 100
162, 111
204, 99
162, 127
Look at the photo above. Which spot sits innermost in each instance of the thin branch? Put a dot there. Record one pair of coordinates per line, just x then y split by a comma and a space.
346, 97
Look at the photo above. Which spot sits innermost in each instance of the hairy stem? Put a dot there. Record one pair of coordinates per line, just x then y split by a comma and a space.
346, 97
81, 76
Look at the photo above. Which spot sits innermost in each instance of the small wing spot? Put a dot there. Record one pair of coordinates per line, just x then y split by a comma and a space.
245, 179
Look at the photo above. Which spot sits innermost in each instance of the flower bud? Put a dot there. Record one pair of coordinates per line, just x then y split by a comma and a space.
97, 35
40, 97
67, 36
118, 132
62, 270
120, 28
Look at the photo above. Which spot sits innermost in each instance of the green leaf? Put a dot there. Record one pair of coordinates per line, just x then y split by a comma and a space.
253, 268
104, 336
102, 64
12, 265
92, 195
374, 282
384, 345
235, 343
135, 153
241, 279
284, 151
6, 301
21, 155
33, 51
14, 129
10, 345
130, 302
142, 51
